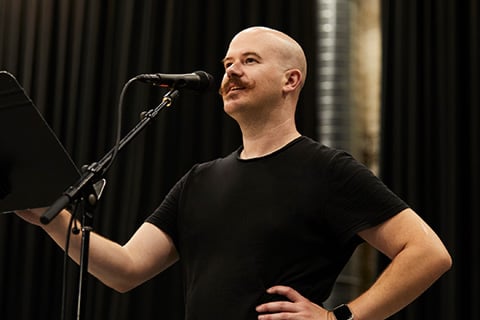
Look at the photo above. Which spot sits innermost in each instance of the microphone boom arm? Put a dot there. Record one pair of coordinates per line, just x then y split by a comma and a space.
95, 171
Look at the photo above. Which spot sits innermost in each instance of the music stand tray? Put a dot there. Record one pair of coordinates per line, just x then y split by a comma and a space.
35, 168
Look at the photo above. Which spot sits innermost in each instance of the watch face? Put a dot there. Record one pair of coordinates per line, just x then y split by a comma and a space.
343, 313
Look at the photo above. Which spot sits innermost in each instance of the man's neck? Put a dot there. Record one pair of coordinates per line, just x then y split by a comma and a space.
258, 143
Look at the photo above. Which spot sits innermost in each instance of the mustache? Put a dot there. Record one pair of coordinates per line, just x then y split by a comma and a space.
234, 82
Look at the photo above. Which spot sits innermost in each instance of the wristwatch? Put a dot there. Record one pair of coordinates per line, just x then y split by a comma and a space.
342, 312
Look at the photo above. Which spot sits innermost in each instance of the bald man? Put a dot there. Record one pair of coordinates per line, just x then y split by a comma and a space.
264, 232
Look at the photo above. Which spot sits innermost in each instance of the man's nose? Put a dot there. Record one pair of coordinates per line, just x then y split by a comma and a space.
234, 70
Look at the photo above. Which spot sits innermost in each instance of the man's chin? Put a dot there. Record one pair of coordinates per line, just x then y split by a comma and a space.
232, 108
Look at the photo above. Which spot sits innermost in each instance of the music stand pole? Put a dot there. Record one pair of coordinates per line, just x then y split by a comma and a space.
89, 203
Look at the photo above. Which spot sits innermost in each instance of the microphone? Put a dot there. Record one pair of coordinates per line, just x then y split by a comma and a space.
198, 80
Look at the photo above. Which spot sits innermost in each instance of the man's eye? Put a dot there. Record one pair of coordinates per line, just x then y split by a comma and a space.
250, 60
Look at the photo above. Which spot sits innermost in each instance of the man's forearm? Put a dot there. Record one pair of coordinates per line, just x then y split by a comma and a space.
102, 252
409, 274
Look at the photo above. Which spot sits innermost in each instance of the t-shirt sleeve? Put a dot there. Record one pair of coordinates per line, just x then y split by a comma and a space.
357, 198
165, 215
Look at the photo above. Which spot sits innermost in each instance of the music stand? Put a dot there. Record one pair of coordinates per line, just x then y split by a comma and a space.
34, 166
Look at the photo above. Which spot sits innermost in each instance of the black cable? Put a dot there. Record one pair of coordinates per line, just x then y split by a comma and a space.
118, 132
75, 230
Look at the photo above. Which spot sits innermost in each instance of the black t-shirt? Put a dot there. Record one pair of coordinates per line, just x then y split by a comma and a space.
289, 218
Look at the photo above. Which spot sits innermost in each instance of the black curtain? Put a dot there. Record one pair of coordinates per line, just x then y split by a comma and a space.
73, 58
431, 137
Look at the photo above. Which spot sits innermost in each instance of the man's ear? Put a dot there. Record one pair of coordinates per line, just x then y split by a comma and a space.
293, 80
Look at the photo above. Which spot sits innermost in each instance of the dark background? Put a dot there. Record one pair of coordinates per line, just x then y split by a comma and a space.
73, 58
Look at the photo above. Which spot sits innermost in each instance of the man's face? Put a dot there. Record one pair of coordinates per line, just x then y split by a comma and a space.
253, 76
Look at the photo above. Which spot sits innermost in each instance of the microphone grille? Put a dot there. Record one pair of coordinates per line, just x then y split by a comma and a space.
207, 81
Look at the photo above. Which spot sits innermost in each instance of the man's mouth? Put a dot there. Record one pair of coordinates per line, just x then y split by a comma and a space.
235, 88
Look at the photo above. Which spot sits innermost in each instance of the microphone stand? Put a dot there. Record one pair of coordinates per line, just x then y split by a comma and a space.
88, 189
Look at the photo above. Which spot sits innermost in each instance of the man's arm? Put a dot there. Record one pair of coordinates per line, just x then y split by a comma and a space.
418, 256
418, 259
148, 252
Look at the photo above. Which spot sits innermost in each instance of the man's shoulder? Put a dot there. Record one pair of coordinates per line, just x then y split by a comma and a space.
319, 149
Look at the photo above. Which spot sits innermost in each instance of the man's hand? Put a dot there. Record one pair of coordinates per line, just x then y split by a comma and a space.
298, 308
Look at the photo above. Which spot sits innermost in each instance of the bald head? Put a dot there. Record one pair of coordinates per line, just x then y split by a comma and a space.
290, 54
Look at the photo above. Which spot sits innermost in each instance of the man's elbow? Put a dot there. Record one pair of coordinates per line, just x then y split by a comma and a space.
121, 285
122, 289
446, 261
442, 260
